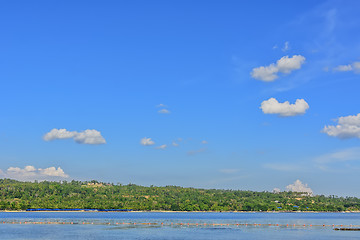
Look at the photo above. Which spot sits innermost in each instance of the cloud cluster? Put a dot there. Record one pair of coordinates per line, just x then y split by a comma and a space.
284, 65
298, 186
146, 141
164, 109
348, 127
355, 67
30, 173
88, 136
285, 109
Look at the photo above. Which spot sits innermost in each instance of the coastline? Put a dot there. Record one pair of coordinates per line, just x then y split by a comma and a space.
160, 211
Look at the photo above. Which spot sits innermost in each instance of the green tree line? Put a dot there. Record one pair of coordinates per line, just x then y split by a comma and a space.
16, 195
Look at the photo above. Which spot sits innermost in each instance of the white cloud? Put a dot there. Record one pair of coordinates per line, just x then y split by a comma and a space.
146, 141
285, 109
298, 186
58, 134
267, 74
284, 65
343, 68
164, 111
30, 173
53, 171
348, 127
88, 136
349, 154
204, 142
162, 146
355, 67
175, 144
161, 105
286, 47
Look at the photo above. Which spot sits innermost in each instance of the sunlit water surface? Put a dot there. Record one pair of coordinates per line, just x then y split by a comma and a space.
175, 225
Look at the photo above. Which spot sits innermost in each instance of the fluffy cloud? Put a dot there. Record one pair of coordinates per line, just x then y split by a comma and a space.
146, 141
58, 134
30, 173
348, 127
162, 146
355, 66
298, 186
89, 136
285, 109
283, 65
164, 111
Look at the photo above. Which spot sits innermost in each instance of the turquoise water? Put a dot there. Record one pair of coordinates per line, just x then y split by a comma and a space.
195, 226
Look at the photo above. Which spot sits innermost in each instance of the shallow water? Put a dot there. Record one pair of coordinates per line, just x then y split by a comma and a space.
94, 225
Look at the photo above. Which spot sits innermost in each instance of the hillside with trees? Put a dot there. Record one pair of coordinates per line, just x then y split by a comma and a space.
15, 195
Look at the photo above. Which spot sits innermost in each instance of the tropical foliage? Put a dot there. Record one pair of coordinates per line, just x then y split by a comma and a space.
15, 195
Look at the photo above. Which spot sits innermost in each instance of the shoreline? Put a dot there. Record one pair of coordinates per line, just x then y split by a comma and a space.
160, 211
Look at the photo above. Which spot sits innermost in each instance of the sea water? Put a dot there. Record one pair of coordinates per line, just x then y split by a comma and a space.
175, 225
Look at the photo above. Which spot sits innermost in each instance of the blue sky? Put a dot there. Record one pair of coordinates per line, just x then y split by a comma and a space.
213, 94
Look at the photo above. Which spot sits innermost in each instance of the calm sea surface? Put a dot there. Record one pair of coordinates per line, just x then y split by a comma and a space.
195, 226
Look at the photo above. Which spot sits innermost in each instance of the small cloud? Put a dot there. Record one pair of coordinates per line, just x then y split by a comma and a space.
164, 111
343, 68
204, 142
355, 67
161, 105
286, 47
30, 173
284, 65
275, 47
146, 141
229, 170
194, 152
175, 144
347, 127
88, 136
298, 186
285, 109
162, 146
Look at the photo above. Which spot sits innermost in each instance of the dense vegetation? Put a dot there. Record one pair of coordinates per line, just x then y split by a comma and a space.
15, 195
